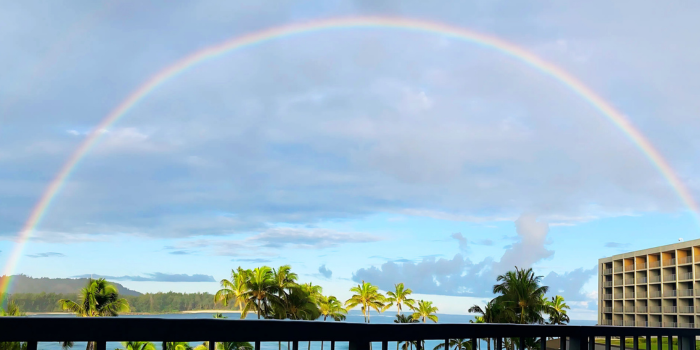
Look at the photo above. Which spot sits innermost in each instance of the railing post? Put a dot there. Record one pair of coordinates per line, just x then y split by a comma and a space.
635, 342
212, 345
562, 343
591, 342
648, 341
659, 342
608, 342
100, 345
499, 343
472, 342
576, 343
32, 345
686, 342
332, 344
257, 345
385, 345
670, 342
295, 346
623, 346
521, 343
543, 343
354, 345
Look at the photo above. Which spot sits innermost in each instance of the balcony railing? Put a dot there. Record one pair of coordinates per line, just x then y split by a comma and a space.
655, 294
641, 309
686, 325
356, 336
607, 284
606, 323
607, 271
618, 268
618, 282
655, 309
671, 309
686, 309
654, 264
654, 279
685, 293
607, 296
641, 266
618, 295
669, 262
642, 324
629, 280
641, 294
618, 309
655, 324
629, 267
685, 260
669, 278
670, 324
641, 280
629, 309
607, 309
685, 276
670, 293
629, 295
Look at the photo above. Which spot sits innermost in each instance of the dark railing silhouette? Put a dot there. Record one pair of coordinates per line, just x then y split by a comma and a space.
359, 336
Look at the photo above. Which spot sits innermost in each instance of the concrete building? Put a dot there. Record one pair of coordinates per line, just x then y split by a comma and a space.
656, 287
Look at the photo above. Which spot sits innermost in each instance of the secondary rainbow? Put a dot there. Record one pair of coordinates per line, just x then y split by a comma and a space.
448, 31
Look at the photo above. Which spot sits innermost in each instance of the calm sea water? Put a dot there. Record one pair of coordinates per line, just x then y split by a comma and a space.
354, 316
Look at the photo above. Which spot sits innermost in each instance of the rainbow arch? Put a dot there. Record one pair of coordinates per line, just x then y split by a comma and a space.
491, 42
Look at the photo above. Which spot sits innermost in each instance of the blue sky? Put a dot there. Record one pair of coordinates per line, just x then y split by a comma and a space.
358, 154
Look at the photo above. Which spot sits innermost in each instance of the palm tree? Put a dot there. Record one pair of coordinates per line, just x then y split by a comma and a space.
400, 296
405, 319
492, 313
261, 292
368, 297
457, 344
425, 311
138, 345
219, 315
521, 294
234, 289
98, 299
12, 310
230, 345
557, 310
330, 306
176, 345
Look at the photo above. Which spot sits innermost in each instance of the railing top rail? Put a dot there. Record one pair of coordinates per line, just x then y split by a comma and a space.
124, 329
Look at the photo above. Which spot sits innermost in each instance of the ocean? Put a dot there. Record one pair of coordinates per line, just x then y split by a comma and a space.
353, 316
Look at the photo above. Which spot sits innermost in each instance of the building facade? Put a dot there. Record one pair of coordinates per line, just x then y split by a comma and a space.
656, 287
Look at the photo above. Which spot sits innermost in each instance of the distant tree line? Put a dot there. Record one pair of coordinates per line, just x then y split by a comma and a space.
145, 303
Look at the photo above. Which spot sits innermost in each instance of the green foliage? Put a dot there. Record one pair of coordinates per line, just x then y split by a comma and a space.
425, 311
367, 297
98, 298
145, 303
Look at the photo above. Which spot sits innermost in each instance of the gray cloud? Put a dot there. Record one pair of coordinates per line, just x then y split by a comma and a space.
156, 277
461, 277
325, 272
309, 238
180, 252
486, 242
463, 244
46, 255
254, 260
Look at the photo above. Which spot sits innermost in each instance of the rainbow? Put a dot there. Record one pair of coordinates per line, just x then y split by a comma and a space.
491, 42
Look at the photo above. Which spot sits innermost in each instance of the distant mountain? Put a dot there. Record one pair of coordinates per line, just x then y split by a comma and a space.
26, 284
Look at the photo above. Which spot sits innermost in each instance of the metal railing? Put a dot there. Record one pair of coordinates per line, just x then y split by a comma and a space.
618, 268
641, 266
671, 309
654, 264
641, 280
629, 309
686, 309
655, 294
629, 280
669, 278
642, 324
606, 323
629, 323
669, 262
617, 309
607, 284
357, 336
607, 296
607, 271
655, 309
685, 293
618, 295
641, 294
629, 267
618, 282
670, 324
655, 324
654, 279
607, 309
685, 276
641, 309
685, 260
686, 325
670, 293
629, 295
